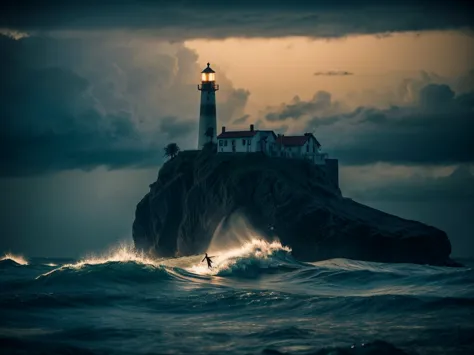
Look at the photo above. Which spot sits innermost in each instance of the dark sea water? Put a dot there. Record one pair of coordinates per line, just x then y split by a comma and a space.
257, 300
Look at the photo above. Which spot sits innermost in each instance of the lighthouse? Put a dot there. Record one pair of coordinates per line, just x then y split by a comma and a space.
207, 114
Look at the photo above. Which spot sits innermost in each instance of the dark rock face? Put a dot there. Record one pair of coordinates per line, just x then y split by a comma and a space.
197, 190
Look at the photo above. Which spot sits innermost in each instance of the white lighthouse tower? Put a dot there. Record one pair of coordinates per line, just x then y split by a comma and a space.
207, 115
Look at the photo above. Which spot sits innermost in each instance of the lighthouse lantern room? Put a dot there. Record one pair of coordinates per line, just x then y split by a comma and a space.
207, 116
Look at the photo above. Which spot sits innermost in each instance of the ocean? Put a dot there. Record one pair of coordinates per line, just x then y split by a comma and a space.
257, 299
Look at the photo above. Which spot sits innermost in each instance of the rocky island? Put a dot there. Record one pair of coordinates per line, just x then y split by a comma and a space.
199, 190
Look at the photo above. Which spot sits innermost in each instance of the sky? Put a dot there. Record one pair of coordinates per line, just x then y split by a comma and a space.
90, 94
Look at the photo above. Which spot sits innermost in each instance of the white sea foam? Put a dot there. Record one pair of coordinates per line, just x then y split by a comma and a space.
123, 253
225, 259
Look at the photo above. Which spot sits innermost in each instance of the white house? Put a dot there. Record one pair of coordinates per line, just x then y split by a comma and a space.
250, 141
294, 147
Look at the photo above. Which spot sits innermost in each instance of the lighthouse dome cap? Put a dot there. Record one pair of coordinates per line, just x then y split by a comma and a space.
208, 69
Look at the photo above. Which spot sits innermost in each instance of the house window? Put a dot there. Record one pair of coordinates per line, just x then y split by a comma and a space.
221, 142
225, 143
307, 148
243, 141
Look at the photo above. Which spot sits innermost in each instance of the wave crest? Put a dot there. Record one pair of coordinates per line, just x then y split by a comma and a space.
18, 259
123, 253
251, 259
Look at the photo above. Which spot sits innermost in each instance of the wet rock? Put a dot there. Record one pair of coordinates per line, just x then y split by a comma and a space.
292, 199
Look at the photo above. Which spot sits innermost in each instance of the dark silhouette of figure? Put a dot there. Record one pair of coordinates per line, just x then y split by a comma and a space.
209, 261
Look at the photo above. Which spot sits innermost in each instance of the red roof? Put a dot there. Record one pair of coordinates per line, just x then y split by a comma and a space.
237, 134
294, 141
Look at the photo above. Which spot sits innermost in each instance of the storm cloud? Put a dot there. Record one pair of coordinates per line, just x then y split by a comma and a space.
175, 128
84, 103
246, 18
435, 129
321, 102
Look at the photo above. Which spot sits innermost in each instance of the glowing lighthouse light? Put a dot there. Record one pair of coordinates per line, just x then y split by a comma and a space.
208, 76
207, 116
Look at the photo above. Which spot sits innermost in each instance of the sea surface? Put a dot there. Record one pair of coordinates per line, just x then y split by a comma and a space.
257, 299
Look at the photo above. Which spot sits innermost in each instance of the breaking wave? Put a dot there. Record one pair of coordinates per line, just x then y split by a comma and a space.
251, 259
120, 264
17, 259
123, 263
123, 253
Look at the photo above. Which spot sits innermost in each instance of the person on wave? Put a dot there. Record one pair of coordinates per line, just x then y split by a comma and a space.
209, 261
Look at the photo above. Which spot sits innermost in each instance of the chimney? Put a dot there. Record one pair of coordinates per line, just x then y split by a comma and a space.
223, 129
251, 127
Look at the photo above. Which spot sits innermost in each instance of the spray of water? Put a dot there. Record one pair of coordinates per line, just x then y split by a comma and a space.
235, 239
224, 259
233, 232
19, 259
124, 252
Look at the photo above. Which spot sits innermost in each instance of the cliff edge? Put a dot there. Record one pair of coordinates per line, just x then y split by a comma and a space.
197, 191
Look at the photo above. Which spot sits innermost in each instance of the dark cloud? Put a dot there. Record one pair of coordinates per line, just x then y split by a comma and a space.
241, 120
233, 105
51, 121
466, 82
245, 18
333, 73
457, 186
297, 109
434, 97
83, 103
435, 129
174, 128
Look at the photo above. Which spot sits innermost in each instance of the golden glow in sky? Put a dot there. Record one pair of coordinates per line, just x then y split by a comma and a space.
274, 70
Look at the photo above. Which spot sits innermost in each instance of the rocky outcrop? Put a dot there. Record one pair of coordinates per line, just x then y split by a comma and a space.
199, 190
